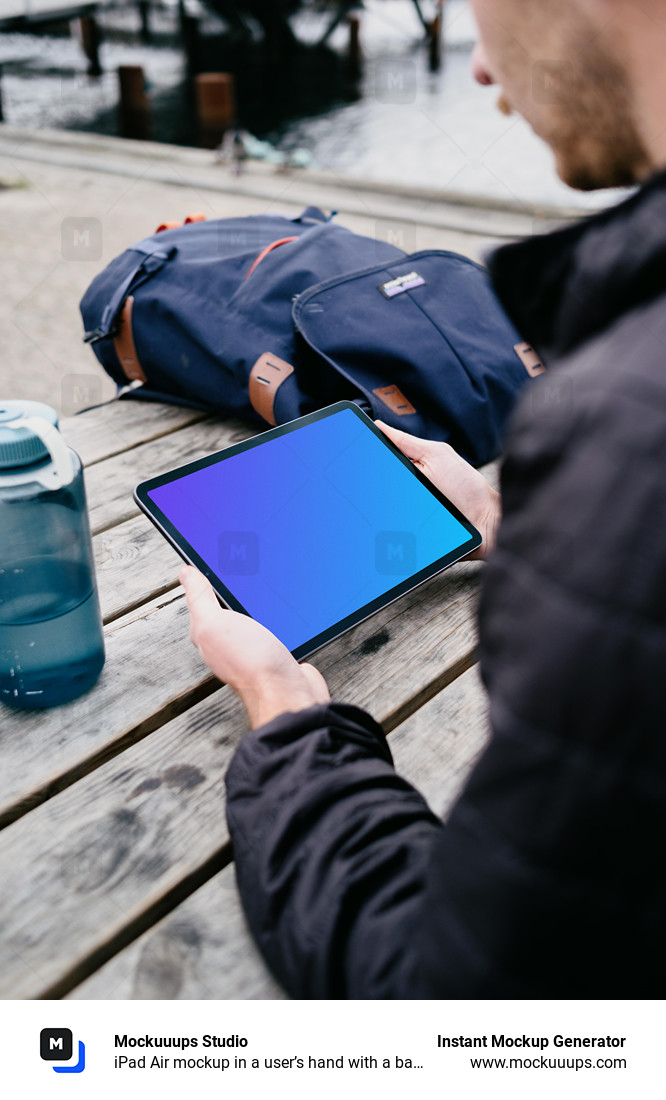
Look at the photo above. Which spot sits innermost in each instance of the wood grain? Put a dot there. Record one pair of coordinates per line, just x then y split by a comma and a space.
134, 564
437, 747
401, 655
165, 835
151, 672
118, 426
110, 483
201, 948
76, 870
194, 953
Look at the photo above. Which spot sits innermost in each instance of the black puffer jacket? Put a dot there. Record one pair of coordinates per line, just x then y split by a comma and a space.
549, 879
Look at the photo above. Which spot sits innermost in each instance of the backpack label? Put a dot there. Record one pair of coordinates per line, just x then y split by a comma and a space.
401, 284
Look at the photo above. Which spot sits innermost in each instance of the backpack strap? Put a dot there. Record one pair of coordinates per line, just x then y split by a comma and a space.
314, 214
266, 377
151, 256
123, 343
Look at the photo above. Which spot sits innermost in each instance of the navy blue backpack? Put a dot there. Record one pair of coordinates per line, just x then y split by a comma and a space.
268, 318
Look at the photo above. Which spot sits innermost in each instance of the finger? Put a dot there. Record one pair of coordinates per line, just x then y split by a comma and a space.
201, 598
410, 445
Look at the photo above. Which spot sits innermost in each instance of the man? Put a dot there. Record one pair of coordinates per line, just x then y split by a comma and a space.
549, 878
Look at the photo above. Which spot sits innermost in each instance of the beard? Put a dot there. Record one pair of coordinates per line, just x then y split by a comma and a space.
594, 135
582, 108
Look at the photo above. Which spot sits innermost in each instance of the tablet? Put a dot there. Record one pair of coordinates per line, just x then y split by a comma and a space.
309, 527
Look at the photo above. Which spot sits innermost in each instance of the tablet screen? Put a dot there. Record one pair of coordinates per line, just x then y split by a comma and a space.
309, 527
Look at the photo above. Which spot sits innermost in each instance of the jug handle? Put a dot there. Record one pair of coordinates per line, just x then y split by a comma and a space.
63, 467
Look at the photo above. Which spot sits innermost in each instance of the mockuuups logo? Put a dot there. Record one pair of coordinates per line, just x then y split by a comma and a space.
56, 1045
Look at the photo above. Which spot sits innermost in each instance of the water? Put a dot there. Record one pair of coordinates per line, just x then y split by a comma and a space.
435, 130
50, 642
399, 123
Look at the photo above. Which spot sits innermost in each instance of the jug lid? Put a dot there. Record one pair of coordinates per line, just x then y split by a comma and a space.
22, 446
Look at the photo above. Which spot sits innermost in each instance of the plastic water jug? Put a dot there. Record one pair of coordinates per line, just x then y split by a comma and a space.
51, 644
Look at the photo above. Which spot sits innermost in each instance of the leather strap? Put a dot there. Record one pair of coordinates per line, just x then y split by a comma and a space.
266, 377
529, 359
123, 342
395, 400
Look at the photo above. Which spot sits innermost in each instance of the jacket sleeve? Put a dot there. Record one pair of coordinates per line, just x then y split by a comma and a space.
331, 848
548, 879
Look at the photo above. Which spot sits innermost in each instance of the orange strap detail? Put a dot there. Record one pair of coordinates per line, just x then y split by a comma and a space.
266, 377
124, 344
176, 225
267, 249
395, 400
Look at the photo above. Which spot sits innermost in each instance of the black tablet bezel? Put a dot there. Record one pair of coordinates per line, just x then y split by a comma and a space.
189, 554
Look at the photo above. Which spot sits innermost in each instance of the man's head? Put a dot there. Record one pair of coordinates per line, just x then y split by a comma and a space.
570, 67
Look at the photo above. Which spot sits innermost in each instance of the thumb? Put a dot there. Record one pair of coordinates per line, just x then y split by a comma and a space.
411, 445
201, 598
316, 682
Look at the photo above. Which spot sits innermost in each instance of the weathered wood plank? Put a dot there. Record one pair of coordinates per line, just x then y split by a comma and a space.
134, 563
119, 839
120, 425
436, 748
200, 948
152, 672
110, 484
203, 949
408, 652
131, 830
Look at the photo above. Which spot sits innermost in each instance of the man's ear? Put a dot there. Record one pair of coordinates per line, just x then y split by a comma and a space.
480, 67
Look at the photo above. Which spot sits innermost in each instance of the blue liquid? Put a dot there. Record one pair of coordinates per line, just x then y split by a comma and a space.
48, 658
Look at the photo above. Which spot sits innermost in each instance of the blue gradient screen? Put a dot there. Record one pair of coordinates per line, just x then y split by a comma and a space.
307, 528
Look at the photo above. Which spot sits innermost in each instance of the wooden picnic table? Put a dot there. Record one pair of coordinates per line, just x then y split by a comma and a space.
115, 861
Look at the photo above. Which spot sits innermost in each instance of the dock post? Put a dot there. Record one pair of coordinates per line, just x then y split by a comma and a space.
189, 33
144, 16
90, 40
216, 107
355, 55
135, 114
435, 42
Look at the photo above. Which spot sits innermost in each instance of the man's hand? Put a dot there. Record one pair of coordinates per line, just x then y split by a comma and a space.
245, 655
457, 480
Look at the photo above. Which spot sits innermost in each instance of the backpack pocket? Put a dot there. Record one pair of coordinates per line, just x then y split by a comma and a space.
424, 343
